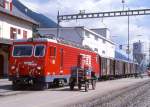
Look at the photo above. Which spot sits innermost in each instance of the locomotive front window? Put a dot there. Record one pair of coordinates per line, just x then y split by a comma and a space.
39, 50
22, 50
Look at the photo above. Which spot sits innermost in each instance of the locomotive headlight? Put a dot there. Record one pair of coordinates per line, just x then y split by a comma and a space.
12, 67
39, 68
48, 73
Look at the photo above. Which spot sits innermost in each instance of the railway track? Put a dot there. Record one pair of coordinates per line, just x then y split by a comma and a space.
125, 97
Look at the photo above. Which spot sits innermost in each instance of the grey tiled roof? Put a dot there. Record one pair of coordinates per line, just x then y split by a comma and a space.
18, 14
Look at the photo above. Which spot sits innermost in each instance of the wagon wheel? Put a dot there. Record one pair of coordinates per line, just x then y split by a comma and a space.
79, 86
72, 84
71, 87
93, 84
86, 86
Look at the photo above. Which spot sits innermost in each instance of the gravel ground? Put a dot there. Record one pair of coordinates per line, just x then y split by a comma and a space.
126, 92
137, 95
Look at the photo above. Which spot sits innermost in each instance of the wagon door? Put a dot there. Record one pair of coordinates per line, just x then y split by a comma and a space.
124, 68
112, 68
103, 67
108, 67
116, 68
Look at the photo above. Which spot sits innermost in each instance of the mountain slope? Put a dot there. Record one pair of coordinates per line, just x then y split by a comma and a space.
44, 21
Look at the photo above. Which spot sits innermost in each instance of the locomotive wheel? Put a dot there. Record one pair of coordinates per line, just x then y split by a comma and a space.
56, 83
86, 86
15, 86
93, 84
38, 86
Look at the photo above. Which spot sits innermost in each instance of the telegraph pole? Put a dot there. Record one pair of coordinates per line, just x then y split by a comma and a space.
149, 53
128, 35
58, 23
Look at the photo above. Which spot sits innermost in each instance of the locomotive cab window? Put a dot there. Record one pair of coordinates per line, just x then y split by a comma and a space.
39, 50
52, 51
22, 50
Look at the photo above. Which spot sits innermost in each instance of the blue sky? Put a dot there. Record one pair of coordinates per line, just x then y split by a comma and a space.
139, 25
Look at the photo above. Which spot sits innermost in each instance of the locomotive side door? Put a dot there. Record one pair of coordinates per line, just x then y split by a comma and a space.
52, 60
61, 61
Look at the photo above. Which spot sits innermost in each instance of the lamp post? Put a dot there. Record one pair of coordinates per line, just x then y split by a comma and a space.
123, 2
128, 47
149, 54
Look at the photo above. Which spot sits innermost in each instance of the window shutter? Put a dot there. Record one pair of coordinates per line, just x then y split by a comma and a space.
24, 34
11, 6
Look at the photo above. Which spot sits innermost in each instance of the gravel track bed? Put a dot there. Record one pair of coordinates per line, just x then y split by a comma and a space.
134, 96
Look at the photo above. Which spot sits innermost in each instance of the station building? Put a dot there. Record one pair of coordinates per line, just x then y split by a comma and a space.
13, 25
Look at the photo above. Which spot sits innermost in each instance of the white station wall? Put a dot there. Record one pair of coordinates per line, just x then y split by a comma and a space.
7, 22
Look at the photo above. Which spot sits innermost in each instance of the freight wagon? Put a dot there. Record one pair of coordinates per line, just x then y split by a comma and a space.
117, 68
42, 61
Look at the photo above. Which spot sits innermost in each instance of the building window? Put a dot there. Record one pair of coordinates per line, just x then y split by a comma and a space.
104, 41
103, 52
2, 3
7, 5
96, 38
13, 33
87, 34
96, 49
19, 31
24, 34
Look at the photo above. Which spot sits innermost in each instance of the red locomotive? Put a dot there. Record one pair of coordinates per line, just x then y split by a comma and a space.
42, 61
